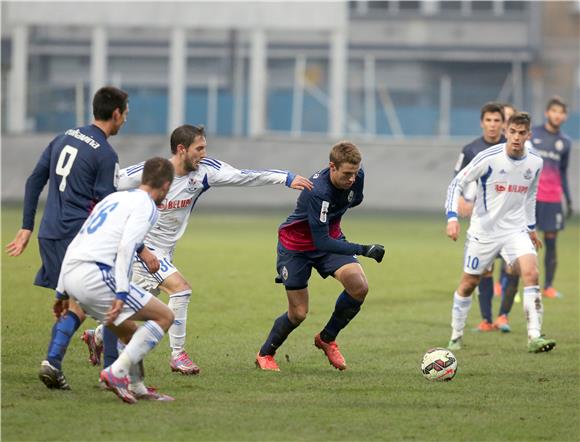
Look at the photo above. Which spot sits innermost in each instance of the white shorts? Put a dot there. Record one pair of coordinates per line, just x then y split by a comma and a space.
151, 281
480, 253
93, 287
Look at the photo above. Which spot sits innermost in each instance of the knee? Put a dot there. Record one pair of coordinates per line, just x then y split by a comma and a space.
297, 315
466, 287
530, 276
360, 291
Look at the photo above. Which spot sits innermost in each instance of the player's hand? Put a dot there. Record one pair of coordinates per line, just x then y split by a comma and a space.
59, 308
150, 260
453, 229
301, 183
569, 210
374, 251
535, 240
17, 246
114, 311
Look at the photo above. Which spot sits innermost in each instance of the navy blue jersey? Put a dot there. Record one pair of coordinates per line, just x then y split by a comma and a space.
315, 222
469, 151
82, 168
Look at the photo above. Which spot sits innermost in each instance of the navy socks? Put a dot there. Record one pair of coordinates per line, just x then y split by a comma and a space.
281, 329
550, 261
346, 308
485, 297
110, 353
62, 332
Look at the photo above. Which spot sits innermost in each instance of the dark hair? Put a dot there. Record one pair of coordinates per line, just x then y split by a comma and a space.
557, 101
345, 152
185, 135
156, 172
492, 107
106, 100
520, 118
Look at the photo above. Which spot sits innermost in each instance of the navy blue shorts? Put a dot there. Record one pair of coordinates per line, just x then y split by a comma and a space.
52, 254
549, 216
294, 268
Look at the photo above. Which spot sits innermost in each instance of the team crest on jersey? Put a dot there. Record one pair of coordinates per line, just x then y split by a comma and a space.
559, 145
350, 196
528, 174
284, 273
191, 184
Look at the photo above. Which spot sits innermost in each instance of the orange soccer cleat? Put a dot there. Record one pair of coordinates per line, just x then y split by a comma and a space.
266, 362
502, 323
332, 352
485, 326
551, 292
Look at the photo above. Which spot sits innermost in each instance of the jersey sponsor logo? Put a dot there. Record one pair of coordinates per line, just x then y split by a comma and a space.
517, 188
559, 145
324, 211
177, 204
500, 187
528, 174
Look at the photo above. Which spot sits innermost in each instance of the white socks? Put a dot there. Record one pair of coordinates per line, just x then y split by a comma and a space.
178, 303
143, 341
534, 310
459, 313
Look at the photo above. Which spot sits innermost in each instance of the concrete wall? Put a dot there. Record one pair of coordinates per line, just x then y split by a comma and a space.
413, 175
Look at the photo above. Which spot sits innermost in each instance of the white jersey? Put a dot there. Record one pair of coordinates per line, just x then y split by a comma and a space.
116, 228
185, 191
505, 201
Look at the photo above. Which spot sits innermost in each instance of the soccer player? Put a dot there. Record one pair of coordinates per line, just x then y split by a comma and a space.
492, 123
195, 173
311, 237
503, 221
81, 168
554, 147
96, 274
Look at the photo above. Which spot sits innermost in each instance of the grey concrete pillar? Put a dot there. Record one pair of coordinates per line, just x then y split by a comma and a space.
338, 67
258, 84
99, 55
177, 86
18, 81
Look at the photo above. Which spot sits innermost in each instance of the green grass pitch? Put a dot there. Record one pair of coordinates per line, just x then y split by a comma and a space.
500, 392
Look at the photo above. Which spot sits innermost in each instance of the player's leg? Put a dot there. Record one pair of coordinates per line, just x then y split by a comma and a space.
485, 300
550, 220
478, 257
550, 263
520, 248
350, 274
510, 282
294, 270
140, 306
179, 291
52, 253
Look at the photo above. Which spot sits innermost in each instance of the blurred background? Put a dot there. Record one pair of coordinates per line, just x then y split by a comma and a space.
277, 83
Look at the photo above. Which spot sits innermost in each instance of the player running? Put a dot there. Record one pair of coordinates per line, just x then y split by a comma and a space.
310, 238
503, 221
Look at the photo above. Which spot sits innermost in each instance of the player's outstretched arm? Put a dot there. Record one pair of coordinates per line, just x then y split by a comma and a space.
301, 183
374, 251
18, 245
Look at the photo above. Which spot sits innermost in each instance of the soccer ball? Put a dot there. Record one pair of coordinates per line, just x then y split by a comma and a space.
439, 364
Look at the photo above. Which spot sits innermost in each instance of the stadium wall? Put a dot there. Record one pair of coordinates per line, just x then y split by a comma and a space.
400, 175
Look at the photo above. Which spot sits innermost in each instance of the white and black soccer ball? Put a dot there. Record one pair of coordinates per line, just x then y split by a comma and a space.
439, 364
